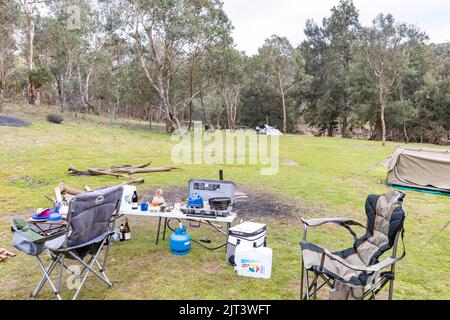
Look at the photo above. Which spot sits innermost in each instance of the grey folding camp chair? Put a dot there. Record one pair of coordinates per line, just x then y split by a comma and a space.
356, 273
90, 224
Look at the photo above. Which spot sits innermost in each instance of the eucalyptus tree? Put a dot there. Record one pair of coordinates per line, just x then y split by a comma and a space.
168, 35
59, 49
329, 52
283, 66
341, 32
228, 67
385, 45
31, 10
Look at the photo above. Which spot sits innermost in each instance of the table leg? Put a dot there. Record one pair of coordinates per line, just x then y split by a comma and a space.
226, 237
164, 230
159, 229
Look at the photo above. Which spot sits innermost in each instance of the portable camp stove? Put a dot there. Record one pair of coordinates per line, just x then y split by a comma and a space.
210, 198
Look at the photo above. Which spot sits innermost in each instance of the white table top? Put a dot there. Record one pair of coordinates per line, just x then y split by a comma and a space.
177, 215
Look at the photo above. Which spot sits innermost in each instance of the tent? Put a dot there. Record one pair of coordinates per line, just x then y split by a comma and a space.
268, 130
422, 169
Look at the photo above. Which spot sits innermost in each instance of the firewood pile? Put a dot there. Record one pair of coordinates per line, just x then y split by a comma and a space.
125, 171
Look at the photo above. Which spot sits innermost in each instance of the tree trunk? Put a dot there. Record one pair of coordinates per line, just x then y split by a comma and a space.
60, 94
345, 131
30, 91
405, 132
283, 100
2, 82
382, 122
330, 130
204, 112
190, 102
1, 97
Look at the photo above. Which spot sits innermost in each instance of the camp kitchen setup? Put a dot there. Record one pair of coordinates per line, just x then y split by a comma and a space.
210, 202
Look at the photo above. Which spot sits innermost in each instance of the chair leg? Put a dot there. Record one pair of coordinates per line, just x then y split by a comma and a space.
48, 271
88, 268
60, 273
314, 285
307, 285
391, 289
47, 276
103, 273
301, 280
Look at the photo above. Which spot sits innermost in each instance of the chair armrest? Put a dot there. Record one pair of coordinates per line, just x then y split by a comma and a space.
345, 223
321, 221
387, 262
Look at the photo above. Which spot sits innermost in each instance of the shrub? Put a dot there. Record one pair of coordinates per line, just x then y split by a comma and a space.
55, 118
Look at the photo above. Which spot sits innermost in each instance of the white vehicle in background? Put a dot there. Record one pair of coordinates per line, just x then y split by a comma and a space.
268, 130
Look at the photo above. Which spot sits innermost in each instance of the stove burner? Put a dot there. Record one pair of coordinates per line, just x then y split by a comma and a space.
219, 203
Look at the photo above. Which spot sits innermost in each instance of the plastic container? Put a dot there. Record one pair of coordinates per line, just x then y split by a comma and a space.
180, 242
253, 262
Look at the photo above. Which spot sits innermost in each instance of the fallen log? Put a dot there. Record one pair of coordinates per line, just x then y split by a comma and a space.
96, 172
142, 170
118, 171
134, 181
69, 190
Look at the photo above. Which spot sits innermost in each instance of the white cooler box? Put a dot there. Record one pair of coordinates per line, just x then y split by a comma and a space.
248, 233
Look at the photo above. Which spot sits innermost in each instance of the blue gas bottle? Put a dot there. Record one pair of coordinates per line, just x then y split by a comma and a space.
180, 241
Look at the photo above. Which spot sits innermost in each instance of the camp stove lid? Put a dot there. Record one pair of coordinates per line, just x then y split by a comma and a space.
209, 189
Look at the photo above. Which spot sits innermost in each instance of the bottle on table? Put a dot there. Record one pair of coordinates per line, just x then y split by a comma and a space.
122, 233
134, 201
127, 231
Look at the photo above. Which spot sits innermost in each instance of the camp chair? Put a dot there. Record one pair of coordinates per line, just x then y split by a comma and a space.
90, 223
355, 273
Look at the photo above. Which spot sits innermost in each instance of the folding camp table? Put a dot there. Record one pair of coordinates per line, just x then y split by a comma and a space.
177, 216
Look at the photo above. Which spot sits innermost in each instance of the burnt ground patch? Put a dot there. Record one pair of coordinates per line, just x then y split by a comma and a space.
257, 203
13, 122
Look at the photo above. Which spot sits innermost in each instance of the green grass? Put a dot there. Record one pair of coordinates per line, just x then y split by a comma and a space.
328, 181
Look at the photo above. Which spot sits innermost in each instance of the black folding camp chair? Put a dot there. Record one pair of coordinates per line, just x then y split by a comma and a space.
355, 273
90, 224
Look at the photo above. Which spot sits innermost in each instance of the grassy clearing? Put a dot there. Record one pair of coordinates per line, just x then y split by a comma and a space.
329, 180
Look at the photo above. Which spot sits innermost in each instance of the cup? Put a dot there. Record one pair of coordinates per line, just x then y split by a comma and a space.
144, 206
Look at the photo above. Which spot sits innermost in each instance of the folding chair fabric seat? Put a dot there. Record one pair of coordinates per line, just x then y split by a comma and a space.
57, 245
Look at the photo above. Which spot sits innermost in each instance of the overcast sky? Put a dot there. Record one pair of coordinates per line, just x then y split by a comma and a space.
256, 20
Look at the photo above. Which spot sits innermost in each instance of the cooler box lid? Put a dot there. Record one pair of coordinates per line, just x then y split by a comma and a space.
247, 229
